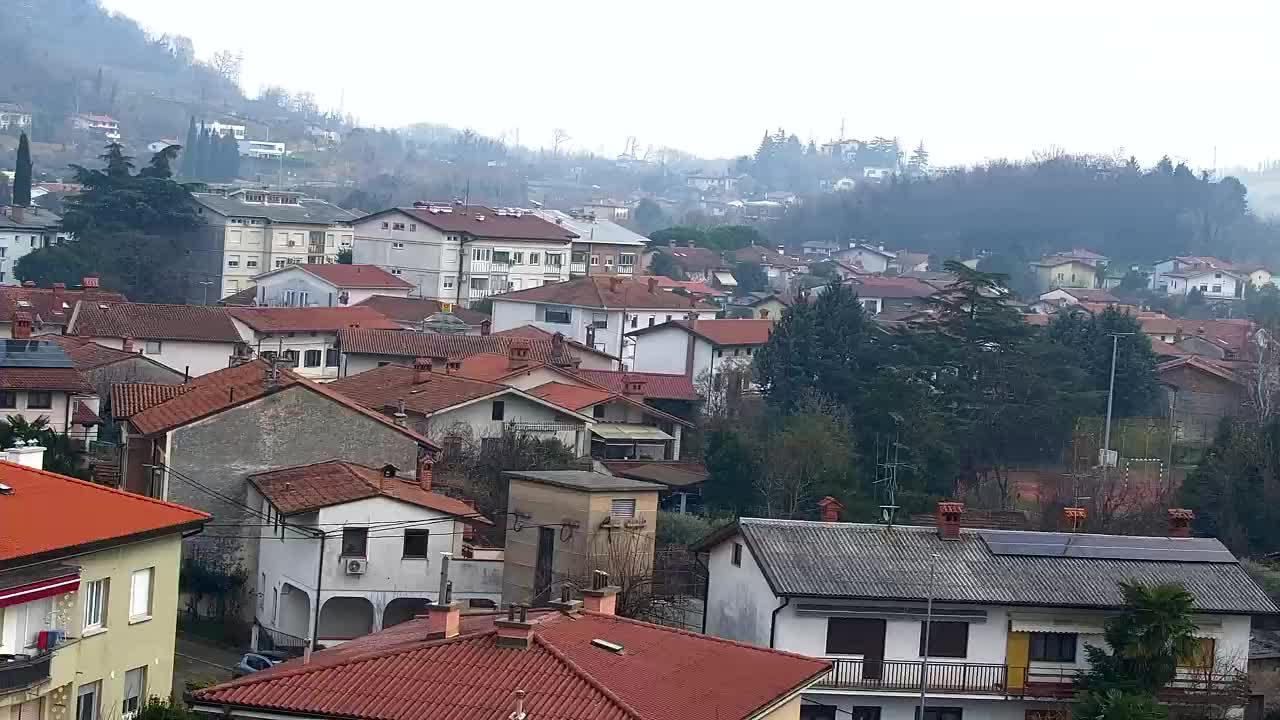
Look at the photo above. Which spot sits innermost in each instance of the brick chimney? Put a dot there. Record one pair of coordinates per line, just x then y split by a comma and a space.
425, 463
444, 615
19, 213
633, 387
566, 603
421, 370
764, 313
1180, 522
1074, 518
59, 289
516, 631
453, 367
829, 509
602, 597
517, 353
127, 345
653, 285
949, 520
615, 282
21, 329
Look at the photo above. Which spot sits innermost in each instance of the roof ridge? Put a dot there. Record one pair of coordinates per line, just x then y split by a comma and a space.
106, 488
586, 676
711, 638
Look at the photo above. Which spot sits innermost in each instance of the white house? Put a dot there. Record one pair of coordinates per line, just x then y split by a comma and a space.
595, 311
222, 129
1181, 274
326, 285
261, 149
374, 541
1011, 611
308, 337
364, 349
463, 253
603, 247
39, 380
190, 339
23, 229
699, 348
873, 258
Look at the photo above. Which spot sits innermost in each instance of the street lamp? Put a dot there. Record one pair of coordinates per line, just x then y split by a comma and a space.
928, 620
1111, 392
206, 284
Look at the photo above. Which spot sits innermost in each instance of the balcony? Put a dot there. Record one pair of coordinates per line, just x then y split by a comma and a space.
578, 268
489, 267
1191, 684
19, 672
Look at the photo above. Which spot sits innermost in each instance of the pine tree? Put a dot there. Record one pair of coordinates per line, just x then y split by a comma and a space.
189, 151
22, 174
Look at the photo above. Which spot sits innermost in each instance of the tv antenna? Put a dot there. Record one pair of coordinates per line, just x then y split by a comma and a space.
887, 475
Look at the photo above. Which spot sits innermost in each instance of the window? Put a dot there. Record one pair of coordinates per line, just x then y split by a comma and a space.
599, 320
651, 320
415, 543
554, 314
292, 357
668, 318
397, 226
135, 687
622, 508
719, 353
331, 357
355, 541
941, 713
517, 258
595, 259
396, 271
946, 639
635, 320
279, 263
1204, 288
311, 358
413, 227
8, 399
397, 246
856, 636
480, 254
597, 412
608, 261
251, 262
153, 347
555, 260
233, 261
737, 554
1217, 276
535, 258
87, 696
499, 410
1053, 647
140, 593
1217, 288
40, 400
448, 282
95, 604
627, 259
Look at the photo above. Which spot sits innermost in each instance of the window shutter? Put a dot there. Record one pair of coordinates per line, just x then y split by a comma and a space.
140, 593
622, 508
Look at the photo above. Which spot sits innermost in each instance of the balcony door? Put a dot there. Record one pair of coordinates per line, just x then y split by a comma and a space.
858, 636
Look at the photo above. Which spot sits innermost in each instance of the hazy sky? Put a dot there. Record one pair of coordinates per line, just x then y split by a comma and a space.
975, 79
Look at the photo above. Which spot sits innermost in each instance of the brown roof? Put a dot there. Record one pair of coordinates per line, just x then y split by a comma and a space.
694, 258
47, 305
533, 332
129, 399
658, 386
1231, 334
574, 397
764, 256
247, 297
353, 276
311, 319
661, 674
383, 388
88, 355
673, 473
1201, 364
467, 220
197, 323
82, 415
306, 488
605, 292
412, 344
1092, 295
875, 286
412, 310
720, 332
47, 378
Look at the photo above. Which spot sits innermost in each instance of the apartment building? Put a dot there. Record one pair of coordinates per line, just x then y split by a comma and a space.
88, 603
1008, 613
13, 115
108, 126
306, 337
459, 253
603, 247
249, 231
326, 285
23, 229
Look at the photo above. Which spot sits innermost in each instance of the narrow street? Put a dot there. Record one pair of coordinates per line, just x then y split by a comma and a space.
198, 660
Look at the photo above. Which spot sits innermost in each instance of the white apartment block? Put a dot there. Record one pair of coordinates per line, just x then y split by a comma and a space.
23, 229
224, 129
464, 253
250, 231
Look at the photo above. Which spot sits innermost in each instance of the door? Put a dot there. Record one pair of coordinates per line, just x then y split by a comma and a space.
1017, 656
542, 570
859, 636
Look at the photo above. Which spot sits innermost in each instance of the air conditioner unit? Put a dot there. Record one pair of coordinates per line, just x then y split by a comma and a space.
356, 567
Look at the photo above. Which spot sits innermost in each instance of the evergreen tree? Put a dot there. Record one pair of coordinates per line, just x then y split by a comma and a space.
189, 154
160, 166
1136, 383
22, 174
204, 156
233, 158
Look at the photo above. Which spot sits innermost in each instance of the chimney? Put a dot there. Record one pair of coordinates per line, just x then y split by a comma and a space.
453, 367
425, 461
1177, 335
1180, 522
615, 282
444, 615
31, 455
1074, 517
566, 604
485, 326
89, 281
653, 285
421, 370
400, 418
21, 329
517, 353
691, 345
633, 387
19, 213
127, 345
516, 631
949, 520
829, 509
602, 597
58, 289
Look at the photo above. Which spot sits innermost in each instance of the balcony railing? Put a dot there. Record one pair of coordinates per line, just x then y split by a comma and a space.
1190, 685
578, 268
18, 672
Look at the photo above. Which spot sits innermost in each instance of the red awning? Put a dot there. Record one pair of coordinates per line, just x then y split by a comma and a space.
41, 589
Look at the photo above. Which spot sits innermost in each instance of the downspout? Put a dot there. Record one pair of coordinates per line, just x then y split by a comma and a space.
706, 588
315, 628
462, 260
773, 618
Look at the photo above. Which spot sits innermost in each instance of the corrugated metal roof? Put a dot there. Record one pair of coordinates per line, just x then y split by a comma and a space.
874, 561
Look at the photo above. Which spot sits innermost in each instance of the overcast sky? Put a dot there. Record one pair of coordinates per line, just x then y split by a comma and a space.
975, 79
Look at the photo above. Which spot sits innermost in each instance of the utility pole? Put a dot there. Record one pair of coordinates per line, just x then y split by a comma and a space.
1111, 393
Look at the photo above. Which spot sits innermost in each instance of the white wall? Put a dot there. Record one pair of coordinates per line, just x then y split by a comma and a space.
739, 601
57, 414
13, 245
1210, 279
479, 417
281, 343
664, 350
198, 358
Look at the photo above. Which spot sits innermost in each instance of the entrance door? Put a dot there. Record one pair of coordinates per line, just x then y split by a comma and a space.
542, 570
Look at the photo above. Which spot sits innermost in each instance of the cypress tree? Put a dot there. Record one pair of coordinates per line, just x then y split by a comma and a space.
22, 174
189, 151
233, 157
204, 158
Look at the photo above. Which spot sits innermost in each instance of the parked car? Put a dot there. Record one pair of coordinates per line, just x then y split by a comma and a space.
258, 660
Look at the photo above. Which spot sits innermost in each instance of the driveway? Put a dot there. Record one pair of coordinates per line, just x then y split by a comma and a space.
198, 660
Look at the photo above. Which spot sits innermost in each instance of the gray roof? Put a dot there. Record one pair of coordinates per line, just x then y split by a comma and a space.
584, 480
33, 218
600, 231
851, 560
308, 210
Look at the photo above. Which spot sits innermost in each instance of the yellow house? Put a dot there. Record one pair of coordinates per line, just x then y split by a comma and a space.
1057, 271
88, 594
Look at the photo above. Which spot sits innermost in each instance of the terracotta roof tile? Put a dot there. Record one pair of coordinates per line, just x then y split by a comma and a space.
658, 386
355, 276
88, 355
533, 332
466, 219
129, 399
46, 305
412, 310
383, 388
412, 344
247, 297
306, 488
82, 415
720, 332
317, 319
154, 322
1231, 334
22, 378
605, 292
874, 286
86, 513
574, 397
404, 676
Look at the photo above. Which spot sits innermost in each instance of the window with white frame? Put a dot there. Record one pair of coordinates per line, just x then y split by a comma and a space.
517, 258
396, 271
397, 246
279, 263
413, 227
251, 262
88, 695
481, 254
627, 259
140, 582
555, 260
397, 226
95, 604
595, 259
135, 689
535, 258
311, 359
448, 282
233, 261
624, 508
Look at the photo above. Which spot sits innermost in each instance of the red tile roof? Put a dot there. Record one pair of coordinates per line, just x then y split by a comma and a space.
694, 259
1230, 334
86, 513
1201, 364
316, 319
46, 305
413, 344
247, 297
764, 256
720, 332
355, 276
661, 674
574, 397
306, 488
31, 378
412, 310
533, 332
88, 355
199, 323
605, 292
695, 288
467, 220
383, 388
1092, 295
658, 386
492, 367
129, 399
82, 415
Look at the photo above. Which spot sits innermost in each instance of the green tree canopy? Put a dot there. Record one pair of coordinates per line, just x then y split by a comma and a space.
22, 173
1136, 386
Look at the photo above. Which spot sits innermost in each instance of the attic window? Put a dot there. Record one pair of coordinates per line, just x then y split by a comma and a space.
606, 645
5, 489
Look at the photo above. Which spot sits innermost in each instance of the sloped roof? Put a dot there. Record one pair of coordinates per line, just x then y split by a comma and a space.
82, 415
658, 386
1092, 295
147, 321
720, 332
311, 319
412, 310
244, 298
466, 219
672, 473
574, 397
38, 364
874, 286
662, 674
412, 344
1198, 363
533, 332
87, 515
129, 399
306, 488
348, 276
764, 256
47, 305
1232, 334
594, 291
383, 388
854, 560
1051, 261
88, 355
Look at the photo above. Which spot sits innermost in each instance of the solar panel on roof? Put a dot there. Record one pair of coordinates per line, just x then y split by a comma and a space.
32, 354
1107, 547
